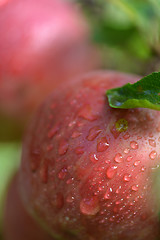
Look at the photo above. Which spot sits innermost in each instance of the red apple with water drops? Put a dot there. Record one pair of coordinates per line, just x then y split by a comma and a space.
89, 171
43, 43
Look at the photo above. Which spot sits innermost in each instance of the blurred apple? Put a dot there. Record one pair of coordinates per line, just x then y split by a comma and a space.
18, 224
43, 44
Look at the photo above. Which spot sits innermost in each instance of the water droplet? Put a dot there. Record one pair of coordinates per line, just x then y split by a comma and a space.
126, 150
136, 199
70, 198
127, 177
115, 209
153, 155
44, 172
143, 168
152, 143
112, 219
93, 133
139, 137
35, 160
62, 173
102, 145
108, 193
70, 180
131, 203
49, 147
100, 188
72, 123
93, 157
129, 158
75, 134
118, 202
79, 150
87, 113
126, 136
111, 172
118, 158
128, 196
89, 206
134, 145
63, 147
58, 201
136, 163
150, 134
54, 130
80, 123
118, 189
135, 188
114, 132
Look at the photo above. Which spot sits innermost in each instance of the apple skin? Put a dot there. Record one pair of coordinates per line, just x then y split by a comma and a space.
43, 44
87, 168
18, 224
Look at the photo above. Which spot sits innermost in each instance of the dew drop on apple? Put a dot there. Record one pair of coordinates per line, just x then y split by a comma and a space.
93, 157
134, 145
126, 136
102, 145
72, 123
118, 189
135, 188
129, 158
108, 194
143, 168
87, 113
53, 131
79, 150
70, 198
118, 202
118, 158
70, 180
126, 150
62, 173
58, 200
116, 209
63, 147
111, 172
153, 155
136, 163
49, 147
127, 177
112, 219
93, 133
44, 172
35, 160
89, 206
152, 143
76, 134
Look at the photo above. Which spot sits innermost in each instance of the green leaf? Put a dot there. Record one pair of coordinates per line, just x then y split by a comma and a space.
143, 94
9, 162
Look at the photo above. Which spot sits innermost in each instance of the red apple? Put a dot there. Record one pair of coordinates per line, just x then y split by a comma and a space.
18, 224
87, 169
43, 43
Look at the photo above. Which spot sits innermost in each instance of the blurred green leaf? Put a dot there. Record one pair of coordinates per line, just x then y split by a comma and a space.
9, 162
126, 32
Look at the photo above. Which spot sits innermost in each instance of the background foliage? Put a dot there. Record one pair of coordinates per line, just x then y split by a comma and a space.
126, 32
